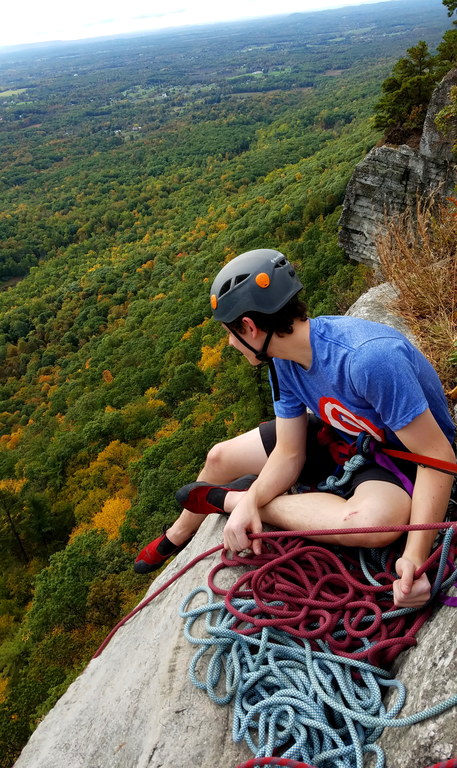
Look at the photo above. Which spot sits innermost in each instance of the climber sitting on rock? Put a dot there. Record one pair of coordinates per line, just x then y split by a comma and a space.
348, 374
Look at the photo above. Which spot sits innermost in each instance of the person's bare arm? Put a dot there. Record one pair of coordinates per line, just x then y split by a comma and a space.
279, 473
429, 503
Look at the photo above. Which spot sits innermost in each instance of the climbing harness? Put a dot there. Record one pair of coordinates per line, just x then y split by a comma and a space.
350, 457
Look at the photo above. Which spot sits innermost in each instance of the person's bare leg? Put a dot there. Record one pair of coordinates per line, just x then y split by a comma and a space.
242, 455
374, 503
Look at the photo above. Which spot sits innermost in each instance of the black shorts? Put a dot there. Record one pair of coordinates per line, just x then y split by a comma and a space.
320, 464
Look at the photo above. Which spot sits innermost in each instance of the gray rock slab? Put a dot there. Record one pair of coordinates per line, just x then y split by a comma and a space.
430, 673
134, 706
375, 305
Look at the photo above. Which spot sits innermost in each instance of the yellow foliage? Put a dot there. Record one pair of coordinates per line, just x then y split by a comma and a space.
108, 376
169, 429
109, 409
3, 687
79, 529
203, 418
211, 356
152, 401
12, 485
15, 437
159, 296
89, 503
111, 516
88, 489
117, 453
148, 264
229, 254
11, 441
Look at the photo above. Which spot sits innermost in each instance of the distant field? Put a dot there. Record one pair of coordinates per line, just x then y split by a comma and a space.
5, 94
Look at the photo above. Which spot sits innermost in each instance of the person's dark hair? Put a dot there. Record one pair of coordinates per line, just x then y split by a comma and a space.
280, 322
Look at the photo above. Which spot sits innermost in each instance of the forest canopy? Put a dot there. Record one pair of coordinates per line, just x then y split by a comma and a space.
131, 170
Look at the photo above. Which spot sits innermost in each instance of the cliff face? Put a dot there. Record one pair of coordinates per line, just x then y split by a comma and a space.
390, 179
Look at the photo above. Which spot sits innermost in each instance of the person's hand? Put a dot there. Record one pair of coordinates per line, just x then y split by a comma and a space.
410, 592
244, 519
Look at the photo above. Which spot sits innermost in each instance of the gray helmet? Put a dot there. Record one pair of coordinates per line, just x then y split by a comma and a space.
262, 281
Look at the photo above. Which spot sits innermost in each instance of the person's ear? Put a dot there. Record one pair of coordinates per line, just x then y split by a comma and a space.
250, 326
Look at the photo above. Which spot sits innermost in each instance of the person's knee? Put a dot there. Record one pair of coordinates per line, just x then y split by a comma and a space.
217, 458
372, 512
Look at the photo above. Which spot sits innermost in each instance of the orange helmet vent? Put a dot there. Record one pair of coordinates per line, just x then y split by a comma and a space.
213, 301
262, 280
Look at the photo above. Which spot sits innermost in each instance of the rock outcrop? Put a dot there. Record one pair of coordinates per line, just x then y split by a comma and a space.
374, 305
390, 179
134, 706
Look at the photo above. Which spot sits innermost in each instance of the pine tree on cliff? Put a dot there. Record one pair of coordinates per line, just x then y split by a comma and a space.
401, 110
451, 6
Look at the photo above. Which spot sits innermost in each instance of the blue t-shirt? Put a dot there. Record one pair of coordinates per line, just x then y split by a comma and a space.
364, 376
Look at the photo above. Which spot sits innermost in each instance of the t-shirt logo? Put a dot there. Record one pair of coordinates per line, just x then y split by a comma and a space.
338, 416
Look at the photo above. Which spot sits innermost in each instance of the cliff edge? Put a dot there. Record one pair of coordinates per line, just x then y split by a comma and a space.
390, 179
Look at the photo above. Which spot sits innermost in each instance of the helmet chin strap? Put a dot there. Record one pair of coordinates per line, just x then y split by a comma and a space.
264, 358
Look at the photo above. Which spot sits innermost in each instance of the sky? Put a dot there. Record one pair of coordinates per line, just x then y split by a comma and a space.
30, 21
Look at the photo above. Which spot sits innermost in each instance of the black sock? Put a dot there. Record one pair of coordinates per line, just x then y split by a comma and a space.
216, 496
166, 547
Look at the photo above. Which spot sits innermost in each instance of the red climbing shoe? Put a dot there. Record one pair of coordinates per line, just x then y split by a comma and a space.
156, 553
194, 496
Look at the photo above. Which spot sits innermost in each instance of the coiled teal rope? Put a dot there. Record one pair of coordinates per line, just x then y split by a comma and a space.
291, 695
337, 484
310, 706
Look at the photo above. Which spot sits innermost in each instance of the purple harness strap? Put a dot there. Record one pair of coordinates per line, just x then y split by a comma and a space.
387, 463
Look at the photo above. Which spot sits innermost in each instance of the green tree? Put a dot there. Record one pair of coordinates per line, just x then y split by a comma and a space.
401, 110
446, 53
451, 6
446, 120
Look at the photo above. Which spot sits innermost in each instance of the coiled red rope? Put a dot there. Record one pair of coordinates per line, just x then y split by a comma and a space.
322, 596
311, 592
271, 535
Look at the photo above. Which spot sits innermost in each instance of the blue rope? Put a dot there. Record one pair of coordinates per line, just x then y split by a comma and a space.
335, 484
307, 705
310, 705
